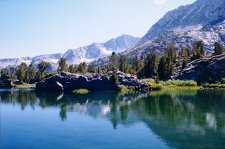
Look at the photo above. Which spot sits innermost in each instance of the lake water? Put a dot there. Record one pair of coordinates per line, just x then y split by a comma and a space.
155, 120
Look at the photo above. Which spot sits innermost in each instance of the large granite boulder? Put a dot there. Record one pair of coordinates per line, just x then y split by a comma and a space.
203, 70
129, 80
92, 82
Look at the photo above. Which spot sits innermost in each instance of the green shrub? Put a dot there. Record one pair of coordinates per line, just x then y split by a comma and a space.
153, 84
213, 85
123, 89
186, 83
223, 81
81, 91
25, 86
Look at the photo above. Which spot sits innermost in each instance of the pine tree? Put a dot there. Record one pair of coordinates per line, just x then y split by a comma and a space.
63, 66
21, 72
72, 68
162, 68
91, 68
82, 68
114, 62
151, 65
137, 66
5, 73
184, 63
114, 77
31, 73
197, 50
170, 61
41, 70
99, 69
218, 48
184, 52
124, 67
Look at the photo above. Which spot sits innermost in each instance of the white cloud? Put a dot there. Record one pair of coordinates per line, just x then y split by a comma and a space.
159, 2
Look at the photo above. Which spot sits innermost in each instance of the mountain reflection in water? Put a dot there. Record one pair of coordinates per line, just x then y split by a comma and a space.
183, 119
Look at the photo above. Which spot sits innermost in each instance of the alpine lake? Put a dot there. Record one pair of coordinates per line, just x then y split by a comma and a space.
168, 119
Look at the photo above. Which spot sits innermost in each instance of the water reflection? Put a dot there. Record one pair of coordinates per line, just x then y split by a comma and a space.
178, 117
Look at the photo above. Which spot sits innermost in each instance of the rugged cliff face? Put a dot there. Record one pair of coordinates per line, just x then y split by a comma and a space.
203, 70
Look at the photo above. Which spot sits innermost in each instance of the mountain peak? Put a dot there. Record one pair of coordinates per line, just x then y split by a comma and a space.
204, 20
201, 12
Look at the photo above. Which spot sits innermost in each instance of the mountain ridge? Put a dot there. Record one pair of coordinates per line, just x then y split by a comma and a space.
202, 20
204, 12
78, 55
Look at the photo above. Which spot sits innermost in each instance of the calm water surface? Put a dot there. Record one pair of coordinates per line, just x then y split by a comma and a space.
164, 120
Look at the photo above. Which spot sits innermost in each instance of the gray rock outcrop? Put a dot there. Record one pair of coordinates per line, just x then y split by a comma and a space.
203, 70
92, 82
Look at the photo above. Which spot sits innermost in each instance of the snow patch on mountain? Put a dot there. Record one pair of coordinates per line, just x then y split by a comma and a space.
76, 56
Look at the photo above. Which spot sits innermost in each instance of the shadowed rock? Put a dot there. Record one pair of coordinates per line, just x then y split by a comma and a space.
203, 70
92, 82
6, 82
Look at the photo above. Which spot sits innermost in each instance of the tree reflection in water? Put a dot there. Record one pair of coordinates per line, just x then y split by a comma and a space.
176, 116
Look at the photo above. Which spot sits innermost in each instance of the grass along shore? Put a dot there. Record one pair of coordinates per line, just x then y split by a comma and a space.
181, 84
25, 86
81, 91
153, 85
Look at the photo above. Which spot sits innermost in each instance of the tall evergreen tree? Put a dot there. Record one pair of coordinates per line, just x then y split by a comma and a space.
184, 63
114, 77
63, 66
99, 69
72, 68
184, 52
42, 66
170, 60
5, 73
162, 68
91, 68
82, 68
137, 65
31, 73
21, 72
197, 50
218, 48
123, 64
151, 65
114, 62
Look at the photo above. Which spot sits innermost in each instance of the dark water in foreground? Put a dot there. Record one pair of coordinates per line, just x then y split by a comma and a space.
165, 119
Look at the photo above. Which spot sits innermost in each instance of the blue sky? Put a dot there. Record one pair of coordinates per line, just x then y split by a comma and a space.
35, 27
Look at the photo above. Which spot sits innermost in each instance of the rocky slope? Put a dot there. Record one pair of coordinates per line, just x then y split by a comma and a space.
76, 56
203, 20
203, 70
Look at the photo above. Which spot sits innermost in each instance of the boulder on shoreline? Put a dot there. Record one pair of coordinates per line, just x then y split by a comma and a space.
91, 81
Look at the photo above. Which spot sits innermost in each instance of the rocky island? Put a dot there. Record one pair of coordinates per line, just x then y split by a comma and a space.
65, 81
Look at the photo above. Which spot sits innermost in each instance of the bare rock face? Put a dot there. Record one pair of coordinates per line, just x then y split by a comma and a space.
204, 70
93, 82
